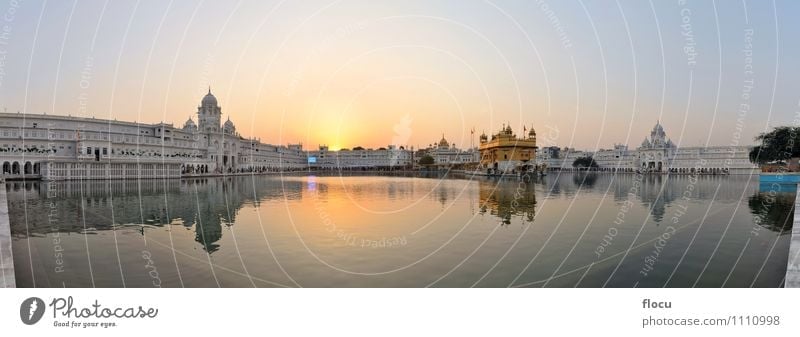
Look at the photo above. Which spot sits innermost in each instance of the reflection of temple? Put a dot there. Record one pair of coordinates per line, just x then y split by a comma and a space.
205, 204
505, 198
656, 192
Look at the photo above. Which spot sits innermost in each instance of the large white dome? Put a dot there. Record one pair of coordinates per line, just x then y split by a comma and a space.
209, 99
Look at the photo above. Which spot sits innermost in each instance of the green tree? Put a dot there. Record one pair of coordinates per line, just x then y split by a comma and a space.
426, 160
777, 146
584, 162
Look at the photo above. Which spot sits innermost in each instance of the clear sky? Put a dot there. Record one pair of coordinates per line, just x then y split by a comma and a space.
585, 74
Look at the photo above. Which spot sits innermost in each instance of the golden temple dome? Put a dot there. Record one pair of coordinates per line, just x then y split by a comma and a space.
444, 143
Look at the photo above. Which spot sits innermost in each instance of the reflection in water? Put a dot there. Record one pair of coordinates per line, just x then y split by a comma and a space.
655, 192
585, 179
773, 211
206, 205
324, 230
505, 198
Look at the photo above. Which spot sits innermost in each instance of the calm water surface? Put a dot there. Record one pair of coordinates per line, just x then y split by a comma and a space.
568, 230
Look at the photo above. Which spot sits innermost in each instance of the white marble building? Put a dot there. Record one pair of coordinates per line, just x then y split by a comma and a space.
66, 147
657, 154
390, 157
445, 154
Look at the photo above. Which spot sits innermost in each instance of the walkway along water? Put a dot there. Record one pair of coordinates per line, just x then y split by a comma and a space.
7, 279
793, 264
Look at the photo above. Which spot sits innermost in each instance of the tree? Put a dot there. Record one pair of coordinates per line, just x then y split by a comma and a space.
584, 162
426, 160
777, 146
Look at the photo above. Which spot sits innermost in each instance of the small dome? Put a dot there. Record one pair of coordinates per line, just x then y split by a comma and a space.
228, 127
532, 133
209, 99
189, 124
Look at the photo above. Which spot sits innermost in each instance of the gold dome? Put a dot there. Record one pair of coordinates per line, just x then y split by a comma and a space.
443, 142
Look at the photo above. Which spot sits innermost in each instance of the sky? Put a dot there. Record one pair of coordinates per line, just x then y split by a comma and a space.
584, 74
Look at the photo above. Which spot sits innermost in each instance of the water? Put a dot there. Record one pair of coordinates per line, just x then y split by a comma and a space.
568, 230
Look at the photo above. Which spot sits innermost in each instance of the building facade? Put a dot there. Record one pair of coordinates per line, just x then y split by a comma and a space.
388, 158
65, 147
658, 154
446, 154
391, 157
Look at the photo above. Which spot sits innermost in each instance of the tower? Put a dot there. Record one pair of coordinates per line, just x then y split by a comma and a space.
658, 138
209, 114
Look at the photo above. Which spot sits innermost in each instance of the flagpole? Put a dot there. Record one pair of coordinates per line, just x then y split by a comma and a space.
472, 138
